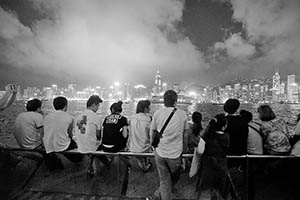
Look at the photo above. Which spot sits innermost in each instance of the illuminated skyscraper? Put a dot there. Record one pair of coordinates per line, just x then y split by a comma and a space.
158, 84
292, 89
276, 86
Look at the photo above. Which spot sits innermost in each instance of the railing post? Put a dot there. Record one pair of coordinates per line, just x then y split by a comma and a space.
247, 178
119, 179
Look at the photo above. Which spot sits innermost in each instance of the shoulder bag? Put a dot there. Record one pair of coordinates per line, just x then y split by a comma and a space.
157, 135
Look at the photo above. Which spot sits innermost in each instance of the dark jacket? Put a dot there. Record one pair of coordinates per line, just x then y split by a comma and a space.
237, 128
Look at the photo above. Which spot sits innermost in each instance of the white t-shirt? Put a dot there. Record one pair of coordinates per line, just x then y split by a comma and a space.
171, 143
297, 130
85, 131
56, 137
139, 137
27, 131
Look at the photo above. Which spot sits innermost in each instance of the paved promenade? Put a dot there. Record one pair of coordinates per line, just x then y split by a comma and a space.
115, 182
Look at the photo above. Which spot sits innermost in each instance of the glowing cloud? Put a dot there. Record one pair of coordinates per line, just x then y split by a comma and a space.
101, 40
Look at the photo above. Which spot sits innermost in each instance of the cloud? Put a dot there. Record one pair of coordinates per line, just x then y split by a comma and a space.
270, 39
236, 47
101, 41
274, 26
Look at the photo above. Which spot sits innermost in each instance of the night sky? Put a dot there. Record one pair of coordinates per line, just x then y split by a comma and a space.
96, 42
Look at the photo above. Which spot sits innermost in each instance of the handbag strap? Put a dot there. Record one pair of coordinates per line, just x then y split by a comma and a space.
166, 123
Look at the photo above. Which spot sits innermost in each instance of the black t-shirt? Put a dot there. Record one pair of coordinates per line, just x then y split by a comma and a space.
237, 128
216, 145
112, 129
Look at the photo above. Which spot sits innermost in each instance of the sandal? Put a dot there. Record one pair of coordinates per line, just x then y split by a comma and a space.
148, 167
90, 172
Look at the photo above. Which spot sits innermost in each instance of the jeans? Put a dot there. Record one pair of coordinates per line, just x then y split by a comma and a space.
169, 173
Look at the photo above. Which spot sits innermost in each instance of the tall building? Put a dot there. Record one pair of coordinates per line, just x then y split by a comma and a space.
276, 86
292, 89
158, 84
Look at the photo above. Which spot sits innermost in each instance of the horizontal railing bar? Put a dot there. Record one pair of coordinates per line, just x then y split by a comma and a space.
186, 155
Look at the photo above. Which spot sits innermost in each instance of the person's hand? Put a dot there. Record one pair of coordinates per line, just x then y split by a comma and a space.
11, 88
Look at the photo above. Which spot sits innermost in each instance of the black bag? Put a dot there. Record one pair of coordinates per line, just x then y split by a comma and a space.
157, 135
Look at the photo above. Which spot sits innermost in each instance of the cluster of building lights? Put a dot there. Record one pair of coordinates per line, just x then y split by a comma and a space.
254, 91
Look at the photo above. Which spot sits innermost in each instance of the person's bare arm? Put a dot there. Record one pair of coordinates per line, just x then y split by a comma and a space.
9, 96
70, 129
125, 132
186, 134
41, 131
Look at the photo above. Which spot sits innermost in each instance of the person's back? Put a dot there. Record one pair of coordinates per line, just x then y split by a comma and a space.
238, 131
114, 136
28, 126
168, 153
237, 128
88, 125
27, 132
276, 136
56, 124
275, 132
254, 142
171, 144
56, 137
213, 174
139, 126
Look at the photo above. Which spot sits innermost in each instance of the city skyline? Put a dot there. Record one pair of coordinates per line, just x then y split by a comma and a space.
264, 90
100, 42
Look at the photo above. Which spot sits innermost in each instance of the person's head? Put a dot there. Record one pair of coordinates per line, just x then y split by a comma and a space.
60, 103
298, 117
93, 103
197, 126
170, 98
231, 106
265, 113
218, 123
196, 117
34, 105
143, 106
246, 115
116, 107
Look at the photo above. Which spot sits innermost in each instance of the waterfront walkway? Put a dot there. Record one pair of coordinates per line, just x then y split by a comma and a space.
116, 182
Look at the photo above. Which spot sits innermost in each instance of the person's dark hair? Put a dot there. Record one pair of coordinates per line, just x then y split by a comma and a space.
215, 124
116, 107
142, 105
94, 99
197, 126
33, 105
298, 117
170, 98
246, 115
59, 103
231, 106
266, 113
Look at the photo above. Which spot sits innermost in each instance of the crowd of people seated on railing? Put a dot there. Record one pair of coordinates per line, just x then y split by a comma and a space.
231, 133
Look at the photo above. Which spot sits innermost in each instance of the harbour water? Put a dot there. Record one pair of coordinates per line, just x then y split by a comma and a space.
286, 111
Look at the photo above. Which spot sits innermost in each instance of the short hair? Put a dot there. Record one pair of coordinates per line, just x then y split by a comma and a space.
142, 105
231, 106
94, 99
246, 115
196, 117
116, 107
266, 113
33, 105
60, 102
170, 98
